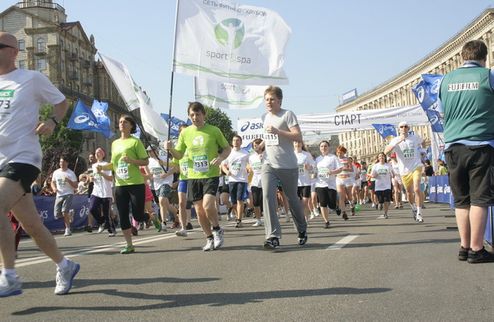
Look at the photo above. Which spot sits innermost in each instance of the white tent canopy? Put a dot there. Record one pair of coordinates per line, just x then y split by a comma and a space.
360, 120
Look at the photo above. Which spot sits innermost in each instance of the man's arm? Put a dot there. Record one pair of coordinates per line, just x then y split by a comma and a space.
47, 127
293, 133
222, 156
176, 154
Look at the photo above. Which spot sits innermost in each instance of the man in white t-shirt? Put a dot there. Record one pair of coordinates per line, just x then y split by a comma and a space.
22, 94
235, 167
408, 148
64, 183
280, 165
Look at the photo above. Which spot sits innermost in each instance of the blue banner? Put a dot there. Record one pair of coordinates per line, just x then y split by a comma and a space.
427, 93
83, 119
385, 130
80, 207
99, 110
439, 190
174, 124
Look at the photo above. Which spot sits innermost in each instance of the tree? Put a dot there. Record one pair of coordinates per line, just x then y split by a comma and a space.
63, 141
218, 118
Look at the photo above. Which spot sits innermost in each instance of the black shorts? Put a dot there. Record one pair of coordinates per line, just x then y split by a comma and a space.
327, 197
225, 188
197, 188
237, 191
384, 195
256, 196
303, 192
471, 175
363, 184
22, 172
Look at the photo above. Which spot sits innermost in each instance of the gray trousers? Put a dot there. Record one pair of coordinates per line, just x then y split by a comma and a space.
288, 179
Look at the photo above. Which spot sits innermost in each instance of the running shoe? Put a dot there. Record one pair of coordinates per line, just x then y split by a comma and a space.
65, 277
463, 253
238, 224
181, 233
353, 210
128, 250
209, 245
112, 234
258, 223
480, 256
344, 215
175, 225
271, 243
89, 229
312, 216
101, 229
338, 211
326, 225
10, 286
419, 218
414, 213
218, 238
141, 226
68, 232
189, 226
302, 238
156, 223
385, 216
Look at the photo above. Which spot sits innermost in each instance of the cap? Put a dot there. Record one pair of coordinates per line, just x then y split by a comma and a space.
403, 123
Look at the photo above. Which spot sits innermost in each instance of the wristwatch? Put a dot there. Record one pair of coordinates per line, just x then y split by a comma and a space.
54, 120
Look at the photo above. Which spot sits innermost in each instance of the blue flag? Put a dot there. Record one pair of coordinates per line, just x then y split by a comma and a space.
83, 119
427, 92
385, 130
137, 134
99, 110
174, 124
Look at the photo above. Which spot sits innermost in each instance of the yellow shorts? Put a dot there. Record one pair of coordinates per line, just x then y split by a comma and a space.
410, 178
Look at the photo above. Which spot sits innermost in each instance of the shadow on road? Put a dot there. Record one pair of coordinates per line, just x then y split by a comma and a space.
211, 299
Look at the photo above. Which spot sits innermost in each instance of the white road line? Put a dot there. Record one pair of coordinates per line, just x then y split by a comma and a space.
93, 250
342, 242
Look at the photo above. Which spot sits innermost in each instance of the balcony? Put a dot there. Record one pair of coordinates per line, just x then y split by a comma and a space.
72, 56
86, 63
40, 51
41, 4
87, 82
73, 76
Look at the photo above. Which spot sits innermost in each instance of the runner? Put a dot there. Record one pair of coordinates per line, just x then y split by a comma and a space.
255, 167
408, 149
23, 93
281, 129
344, 182
383, 172
64, 183
128, 154
327, 166
305, 164
396, 181
202, 143
235, 167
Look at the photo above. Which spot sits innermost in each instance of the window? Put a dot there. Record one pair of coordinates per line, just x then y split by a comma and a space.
41, 45
40, 64
21, 44
22, 64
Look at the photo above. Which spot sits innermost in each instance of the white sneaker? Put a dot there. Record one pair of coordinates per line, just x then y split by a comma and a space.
101, 229
419, 218
181, 233
209, 245
65, 277
67, 232
10, 286
218, 238
287, 217
312, 216
257, 223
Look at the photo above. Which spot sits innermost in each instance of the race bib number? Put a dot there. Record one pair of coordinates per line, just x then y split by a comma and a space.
235, 168
408, 153
322, 173
301, 169
200, 163
270, 139
157, 172
123, 170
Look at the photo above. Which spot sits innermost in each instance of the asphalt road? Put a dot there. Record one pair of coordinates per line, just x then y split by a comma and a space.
365, 269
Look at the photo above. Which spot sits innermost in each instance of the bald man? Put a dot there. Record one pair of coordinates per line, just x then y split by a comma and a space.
22, 92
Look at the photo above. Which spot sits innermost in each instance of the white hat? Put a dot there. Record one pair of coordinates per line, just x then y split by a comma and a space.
403, 123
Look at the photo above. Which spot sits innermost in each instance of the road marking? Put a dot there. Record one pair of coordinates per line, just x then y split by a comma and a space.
342, 242
92, 250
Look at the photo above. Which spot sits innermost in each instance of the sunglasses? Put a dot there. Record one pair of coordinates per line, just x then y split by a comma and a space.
403, 126
2, 46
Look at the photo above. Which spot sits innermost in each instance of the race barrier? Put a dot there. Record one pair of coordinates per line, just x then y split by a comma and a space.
440, 192
80, 211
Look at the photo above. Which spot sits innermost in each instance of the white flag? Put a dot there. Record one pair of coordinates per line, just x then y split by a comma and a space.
228, 95
134, 97
229, 42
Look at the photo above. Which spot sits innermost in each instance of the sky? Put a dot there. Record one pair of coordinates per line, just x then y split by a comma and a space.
335, 46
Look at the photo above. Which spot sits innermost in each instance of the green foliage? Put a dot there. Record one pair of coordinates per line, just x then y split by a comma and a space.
218, 118
63, 141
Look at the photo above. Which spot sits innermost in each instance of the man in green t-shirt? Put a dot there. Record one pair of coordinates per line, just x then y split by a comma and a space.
202, 143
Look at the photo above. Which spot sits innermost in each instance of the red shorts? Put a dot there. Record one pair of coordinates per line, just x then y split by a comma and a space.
149, 195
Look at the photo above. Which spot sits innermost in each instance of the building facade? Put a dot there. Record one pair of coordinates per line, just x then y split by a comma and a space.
66, 55
366, 144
